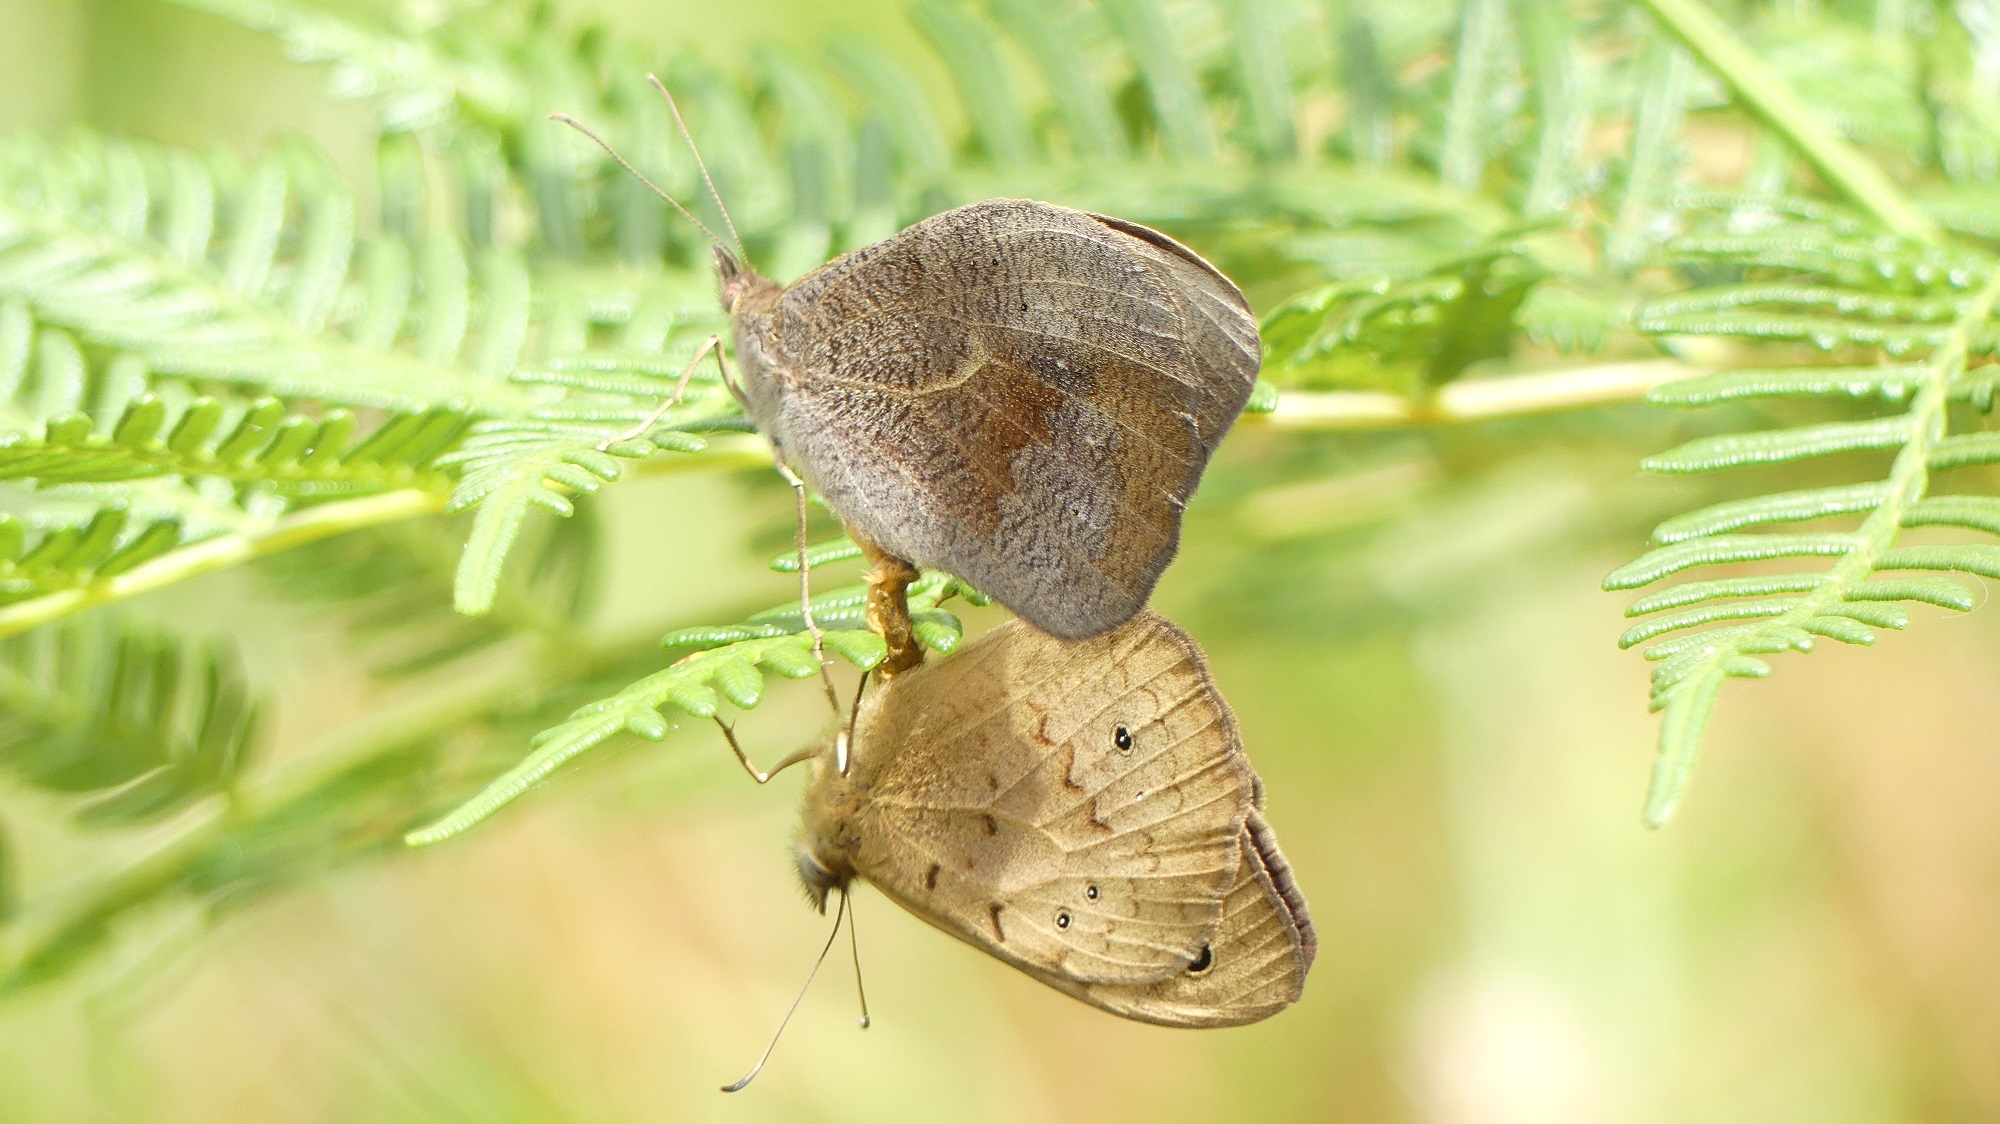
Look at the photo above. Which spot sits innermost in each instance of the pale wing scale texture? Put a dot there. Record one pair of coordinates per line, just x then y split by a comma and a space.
1256, 963
993, 796
1019, 393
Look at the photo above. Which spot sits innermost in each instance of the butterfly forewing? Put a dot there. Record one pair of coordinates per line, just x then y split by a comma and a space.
1073, 807
1022, 394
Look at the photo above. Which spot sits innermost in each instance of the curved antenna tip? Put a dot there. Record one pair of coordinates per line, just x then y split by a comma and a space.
738, 1085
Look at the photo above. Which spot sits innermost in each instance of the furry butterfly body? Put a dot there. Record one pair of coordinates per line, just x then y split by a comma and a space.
1022, 394
1081, 810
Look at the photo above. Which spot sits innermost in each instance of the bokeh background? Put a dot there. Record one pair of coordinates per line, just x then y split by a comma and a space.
1411, 632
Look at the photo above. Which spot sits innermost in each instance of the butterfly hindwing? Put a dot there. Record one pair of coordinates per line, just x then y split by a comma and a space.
1070, 807
1253, 966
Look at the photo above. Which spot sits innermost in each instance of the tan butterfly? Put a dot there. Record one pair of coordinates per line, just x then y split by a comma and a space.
1081, 810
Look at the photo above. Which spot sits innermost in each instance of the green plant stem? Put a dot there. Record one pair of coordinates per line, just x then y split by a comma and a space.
1468, 401
1688, 704
1477, 400
310, 525
1767, 97
222, 552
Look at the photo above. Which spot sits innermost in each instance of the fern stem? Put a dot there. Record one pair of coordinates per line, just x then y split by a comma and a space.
1476, 400
1773, 102
1689, 701
222, 552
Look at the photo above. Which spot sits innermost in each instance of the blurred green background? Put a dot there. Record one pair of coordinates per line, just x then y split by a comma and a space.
1454, 750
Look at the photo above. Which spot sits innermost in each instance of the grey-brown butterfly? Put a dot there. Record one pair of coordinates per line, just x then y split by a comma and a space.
1019, 393
1081, 810
1022, 394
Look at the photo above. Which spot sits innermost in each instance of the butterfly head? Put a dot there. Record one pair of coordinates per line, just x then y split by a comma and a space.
741, 289
828, 832
751, 302
817, 878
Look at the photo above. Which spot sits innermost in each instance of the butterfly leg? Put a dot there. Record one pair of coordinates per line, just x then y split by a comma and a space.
729, 384
756, 774
805, 597
713, 343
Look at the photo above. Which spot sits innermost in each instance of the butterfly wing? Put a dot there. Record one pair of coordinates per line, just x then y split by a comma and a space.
1019, 393
998, 799
1253, 967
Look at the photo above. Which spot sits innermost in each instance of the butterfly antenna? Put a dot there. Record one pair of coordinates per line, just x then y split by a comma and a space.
828, 947
701, 164
655, 188
854, 944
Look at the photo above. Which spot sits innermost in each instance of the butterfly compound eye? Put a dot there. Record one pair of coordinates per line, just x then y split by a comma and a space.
816, 879
1123, 739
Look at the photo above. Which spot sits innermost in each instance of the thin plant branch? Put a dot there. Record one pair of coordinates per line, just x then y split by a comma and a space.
1477, 400
1765, 95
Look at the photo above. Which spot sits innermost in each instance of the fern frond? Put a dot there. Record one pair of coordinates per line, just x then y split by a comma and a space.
390, 587
416, 80
999, 121
521, 388
1893, 382
1478, 103
1186, 129
284, 301
1263, 73
1779, 446
1406, 335
1081, 102
507, 467
1656, 156
727, 663
817, 555
1764, 233
141, 722
1792, 611
294, 454
71, 568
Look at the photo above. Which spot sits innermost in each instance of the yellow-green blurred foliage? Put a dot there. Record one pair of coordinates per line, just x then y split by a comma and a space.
1454, 751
